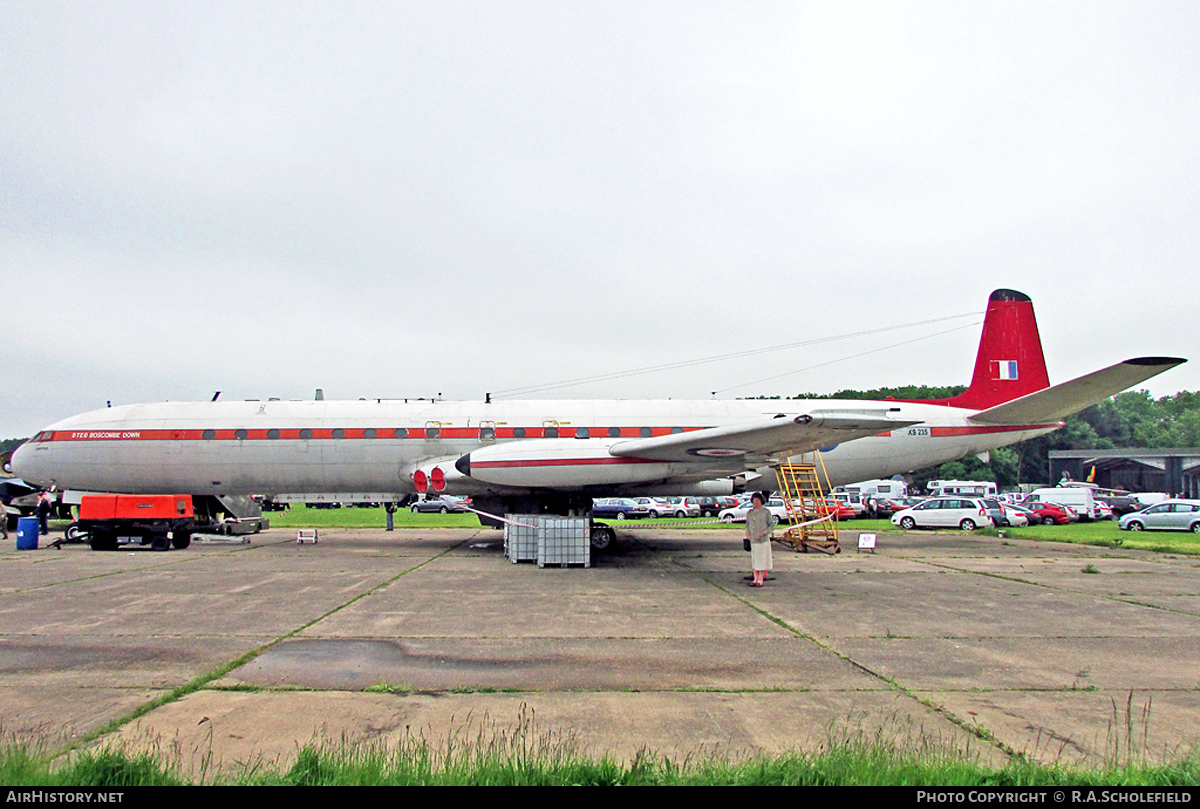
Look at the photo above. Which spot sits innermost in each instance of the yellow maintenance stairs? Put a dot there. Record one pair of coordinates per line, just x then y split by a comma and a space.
811, 524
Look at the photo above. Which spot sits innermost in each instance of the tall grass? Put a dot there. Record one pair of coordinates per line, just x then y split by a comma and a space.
414, 763
483, 754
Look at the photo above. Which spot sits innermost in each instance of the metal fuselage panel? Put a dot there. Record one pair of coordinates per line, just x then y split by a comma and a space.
329, 446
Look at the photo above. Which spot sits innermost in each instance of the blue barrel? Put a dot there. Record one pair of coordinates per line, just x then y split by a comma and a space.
27, 534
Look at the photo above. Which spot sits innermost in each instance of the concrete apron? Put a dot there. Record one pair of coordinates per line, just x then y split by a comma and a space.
974, 645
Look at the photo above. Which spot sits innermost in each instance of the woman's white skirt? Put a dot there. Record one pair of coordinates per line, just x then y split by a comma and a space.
760, 555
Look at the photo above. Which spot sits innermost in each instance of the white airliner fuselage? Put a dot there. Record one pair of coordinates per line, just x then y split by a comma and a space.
379, 446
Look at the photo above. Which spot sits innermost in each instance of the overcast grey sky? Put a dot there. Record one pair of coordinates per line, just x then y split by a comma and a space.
413, 198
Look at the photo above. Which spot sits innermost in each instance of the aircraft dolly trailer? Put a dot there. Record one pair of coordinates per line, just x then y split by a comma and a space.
158, 520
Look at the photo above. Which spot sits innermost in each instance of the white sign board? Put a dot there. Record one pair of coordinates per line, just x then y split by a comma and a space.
866, 542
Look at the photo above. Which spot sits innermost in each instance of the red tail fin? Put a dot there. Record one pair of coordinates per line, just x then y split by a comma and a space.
1010, 362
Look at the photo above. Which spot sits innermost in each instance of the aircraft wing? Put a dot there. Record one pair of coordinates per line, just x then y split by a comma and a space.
1057, 402
770, 438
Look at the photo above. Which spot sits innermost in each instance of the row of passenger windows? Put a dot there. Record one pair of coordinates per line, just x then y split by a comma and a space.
306, 433
434, 432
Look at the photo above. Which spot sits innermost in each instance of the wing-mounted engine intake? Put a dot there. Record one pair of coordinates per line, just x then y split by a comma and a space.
559, 463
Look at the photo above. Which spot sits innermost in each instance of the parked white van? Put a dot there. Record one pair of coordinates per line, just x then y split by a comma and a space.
875, 488
969, 488
1078, 498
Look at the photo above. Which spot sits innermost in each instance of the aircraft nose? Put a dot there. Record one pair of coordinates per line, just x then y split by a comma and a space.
22, 463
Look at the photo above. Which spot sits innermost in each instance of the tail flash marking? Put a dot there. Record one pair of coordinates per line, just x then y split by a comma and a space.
1006, 369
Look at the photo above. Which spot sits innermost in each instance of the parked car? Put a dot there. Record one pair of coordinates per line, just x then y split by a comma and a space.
655, 506
852, 501
945, 512
884, 507
445, 504
840, 510
1028, 516
711, 506
1173, 515
684, 506
1004, 514
620, 508
738, 513
1121, 504
1048, 513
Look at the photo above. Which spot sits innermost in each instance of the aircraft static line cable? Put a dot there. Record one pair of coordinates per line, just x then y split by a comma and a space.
850, 357
719, 357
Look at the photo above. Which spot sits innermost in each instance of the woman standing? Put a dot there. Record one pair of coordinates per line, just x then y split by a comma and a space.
760, 525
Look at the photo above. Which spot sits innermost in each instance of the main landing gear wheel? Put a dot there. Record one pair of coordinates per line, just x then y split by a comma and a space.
603, 538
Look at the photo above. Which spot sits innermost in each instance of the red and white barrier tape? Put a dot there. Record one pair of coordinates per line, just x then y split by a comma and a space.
660, 522
504, 520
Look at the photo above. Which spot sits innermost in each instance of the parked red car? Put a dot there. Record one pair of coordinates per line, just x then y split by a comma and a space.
1047, 513
839, 510
884, 507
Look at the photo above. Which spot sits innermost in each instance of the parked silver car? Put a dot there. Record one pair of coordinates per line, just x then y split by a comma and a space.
1170, 515
738, 513
445, 504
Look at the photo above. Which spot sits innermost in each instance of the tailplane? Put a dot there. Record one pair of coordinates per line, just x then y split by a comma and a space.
1060, 401
1009, 364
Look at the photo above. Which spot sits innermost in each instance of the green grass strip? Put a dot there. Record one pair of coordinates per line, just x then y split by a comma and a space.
521, 756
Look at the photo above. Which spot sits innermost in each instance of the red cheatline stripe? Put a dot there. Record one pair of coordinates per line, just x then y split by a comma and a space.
942, 432
558, 462
326, 432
